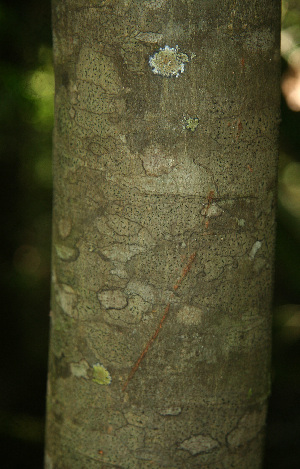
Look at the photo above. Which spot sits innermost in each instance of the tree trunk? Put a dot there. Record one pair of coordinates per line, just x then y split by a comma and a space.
165, 153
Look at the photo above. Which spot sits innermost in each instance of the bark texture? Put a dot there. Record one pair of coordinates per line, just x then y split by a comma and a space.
165, 152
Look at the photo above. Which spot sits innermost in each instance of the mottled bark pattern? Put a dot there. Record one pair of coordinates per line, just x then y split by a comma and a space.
155, 161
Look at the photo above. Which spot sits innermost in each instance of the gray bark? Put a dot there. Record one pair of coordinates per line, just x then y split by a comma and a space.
165, 153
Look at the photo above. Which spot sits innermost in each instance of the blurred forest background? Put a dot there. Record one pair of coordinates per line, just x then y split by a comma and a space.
26, 116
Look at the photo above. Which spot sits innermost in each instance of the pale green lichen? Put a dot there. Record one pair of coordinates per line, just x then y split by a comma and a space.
240, 221
191, 123
101, 375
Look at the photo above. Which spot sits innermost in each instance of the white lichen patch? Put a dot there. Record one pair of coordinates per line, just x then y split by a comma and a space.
66, 253
156, 161
64, 227
213, 211
149, 37
110, 299
256, 246
168, 62
189, 315
248, 427
101, 375
66, 297
119, 271
80, 369
199, 444
122, 253
135, 287
186, 178
172, 411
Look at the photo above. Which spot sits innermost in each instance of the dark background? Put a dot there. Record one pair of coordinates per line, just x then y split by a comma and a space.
26, 118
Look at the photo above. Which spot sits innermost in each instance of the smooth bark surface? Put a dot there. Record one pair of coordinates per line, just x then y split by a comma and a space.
165, 153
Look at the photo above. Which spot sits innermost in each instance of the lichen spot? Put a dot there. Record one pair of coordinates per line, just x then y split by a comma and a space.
101, 375
256, 246
168, 62
241, 221
190, 123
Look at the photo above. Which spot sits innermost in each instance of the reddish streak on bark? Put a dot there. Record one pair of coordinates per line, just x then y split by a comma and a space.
209, 201
167, 308
240, 128
134, 369
185, 270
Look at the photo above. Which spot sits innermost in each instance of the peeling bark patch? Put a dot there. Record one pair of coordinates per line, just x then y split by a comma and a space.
64, 227
66, 253
199, 444
101, 375
155, 4
168, 62
256, 246
149, 37
189, 315
213, 211
66, 297
171, 411
122, 253
137, 420
146, 292
247, 429
131, 314
119, 272
80, 369
186, 178
112, 299
156, 161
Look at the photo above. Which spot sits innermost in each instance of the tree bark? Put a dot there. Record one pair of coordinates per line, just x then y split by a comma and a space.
165, 153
